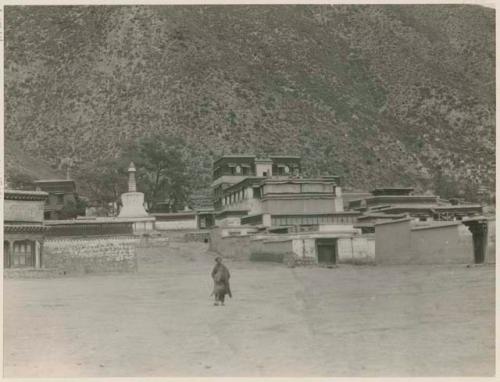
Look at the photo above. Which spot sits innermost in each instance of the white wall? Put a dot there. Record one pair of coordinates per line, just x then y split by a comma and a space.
176, 224
230, 221
23, 210
336, 228
237, 231
304, 248
339, 204
356, 250
260, 168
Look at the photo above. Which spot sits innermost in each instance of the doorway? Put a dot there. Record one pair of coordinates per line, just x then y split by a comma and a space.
326, 250
479, 229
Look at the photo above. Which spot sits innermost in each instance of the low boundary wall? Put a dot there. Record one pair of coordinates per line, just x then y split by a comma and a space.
91, 255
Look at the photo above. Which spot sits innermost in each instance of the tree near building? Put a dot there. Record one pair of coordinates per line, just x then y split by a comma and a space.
73, 208
164, 172
19, 181
103, 181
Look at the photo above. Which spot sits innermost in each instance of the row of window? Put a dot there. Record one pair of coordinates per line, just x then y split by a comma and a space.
311, 220
240, 195
245, 170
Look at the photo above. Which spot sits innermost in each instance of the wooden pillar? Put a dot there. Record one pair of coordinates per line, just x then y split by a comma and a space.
6, 256
38, 257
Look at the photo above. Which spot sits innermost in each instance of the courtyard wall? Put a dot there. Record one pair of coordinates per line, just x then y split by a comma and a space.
91, 255
404, 242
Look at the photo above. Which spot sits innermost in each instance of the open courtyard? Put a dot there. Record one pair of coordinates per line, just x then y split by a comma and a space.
308, 321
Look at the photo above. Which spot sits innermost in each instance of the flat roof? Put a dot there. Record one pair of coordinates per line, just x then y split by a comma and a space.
382, 215
174, 213
24, 192
436, 207
233, 156
25, 195
53, 180
300, 180
392, 190
394, 221
436, 225
262, 180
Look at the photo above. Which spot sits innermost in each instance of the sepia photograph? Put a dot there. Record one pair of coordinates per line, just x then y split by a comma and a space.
249, 190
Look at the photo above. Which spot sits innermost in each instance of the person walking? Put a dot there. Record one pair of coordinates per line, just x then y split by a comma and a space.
220, 275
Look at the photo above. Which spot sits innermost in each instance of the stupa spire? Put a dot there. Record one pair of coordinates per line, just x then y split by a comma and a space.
132, 186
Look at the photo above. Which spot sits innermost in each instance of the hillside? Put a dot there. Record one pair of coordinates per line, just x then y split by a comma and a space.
24, 168
381, 95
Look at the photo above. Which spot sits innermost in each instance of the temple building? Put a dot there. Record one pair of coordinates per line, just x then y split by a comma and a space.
270, 192
24, 230
61, 192
232, 169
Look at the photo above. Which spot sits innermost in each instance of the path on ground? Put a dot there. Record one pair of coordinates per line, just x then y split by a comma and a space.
160, 321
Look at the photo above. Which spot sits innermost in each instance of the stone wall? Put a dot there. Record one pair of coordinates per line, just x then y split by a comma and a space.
147, 241
203, 236
91, 255
230, 246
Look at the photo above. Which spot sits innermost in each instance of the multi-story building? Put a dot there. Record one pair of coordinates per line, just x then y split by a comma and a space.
270, 192
231, 169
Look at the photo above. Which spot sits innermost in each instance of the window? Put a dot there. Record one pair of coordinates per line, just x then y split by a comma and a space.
23, 254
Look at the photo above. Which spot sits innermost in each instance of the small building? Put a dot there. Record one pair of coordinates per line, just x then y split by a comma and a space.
24, 229
203, 204
62, 192
406, 241
327, 245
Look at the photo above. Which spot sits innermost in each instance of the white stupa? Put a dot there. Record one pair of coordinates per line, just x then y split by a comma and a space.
132, 201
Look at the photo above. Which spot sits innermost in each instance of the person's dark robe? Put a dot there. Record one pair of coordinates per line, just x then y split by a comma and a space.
220, 275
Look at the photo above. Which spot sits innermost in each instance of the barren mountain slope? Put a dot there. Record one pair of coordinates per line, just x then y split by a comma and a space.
381, 95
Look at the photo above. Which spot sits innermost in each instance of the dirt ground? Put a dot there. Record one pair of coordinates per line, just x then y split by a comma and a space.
347, 321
